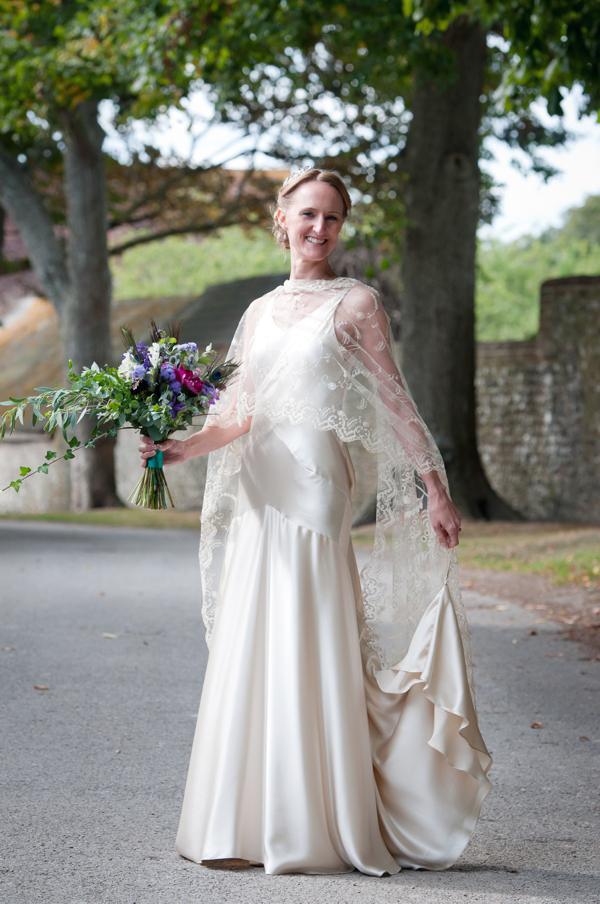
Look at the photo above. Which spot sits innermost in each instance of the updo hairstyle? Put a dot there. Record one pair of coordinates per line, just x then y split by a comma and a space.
292, 183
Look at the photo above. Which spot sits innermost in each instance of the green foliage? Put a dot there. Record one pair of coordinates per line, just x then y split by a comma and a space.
555, 44
509, 276
55, 55
583, 223
183, 266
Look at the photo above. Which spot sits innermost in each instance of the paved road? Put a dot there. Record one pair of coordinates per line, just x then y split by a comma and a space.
94, 768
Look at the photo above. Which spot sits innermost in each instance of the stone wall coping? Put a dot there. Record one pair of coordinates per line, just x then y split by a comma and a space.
28, 437
567, 281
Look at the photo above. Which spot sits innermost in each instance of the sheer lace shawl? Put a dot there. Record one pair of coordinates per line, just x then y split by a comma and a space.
321, 352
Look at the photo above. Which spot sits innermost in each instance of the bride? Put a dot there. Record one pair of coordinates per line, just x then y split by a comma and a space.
337, 727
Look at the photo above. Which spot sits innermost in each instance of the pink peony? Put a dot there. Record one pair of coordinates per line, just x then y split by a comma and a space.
189, 380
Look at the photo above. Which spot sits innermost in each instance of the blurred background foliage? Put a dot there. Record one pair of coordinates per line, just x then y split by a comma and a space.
509, 274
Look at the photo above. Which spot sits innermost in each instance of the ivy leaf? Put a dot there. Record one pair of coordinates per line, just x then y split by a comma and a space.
43, 469
25, 471
50, 455
16, 485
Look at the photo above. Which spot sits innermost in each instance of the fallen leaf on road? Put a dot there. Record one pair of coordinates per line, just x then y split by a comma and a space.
7, 649
531, 633
583, 738
501, 608
537, 724
111, 636
41, 687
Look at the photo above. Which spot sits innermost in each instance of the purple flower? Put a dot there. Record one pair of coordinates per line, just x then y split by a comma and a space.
175, 386
187, 347
142, 352
138, 375
176, 407
167, 372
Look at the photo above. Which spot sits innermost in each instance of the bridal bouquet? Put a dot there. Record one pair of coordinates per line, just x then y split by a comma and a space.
158, 388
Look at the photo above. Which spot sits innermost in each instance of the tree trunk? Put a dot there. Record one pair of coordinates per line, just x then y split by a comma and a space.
438, 303
87, 316
25, 207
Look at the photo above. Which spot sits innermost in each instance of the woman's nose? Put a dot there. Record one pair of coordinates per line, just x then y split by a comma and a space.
319, 225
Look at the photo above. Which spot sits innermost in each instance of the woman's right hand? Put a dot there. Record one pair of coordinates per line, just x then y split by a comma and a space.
174, 450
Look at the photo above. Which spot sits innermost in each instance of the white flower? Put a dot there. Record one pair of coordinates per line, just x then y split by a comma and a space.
126, 366
154, 353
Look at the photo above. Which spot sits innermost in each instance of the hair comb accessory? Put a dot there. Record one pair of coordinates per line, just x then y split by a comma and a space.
300, 172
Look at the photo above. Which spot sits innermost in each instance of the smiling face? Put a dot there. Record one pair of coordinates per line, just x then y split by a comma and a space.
313, 218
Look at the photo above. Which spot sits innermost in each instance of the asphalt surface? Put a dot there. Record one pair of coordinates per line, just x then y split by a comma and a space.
93, 769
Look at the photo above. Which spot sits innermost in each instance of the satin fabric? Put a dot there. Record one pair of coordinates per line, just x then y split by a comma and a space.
307, 756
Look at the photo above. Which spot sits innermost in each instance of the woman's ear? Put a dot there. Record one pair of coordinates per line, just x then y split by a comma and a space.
280, 214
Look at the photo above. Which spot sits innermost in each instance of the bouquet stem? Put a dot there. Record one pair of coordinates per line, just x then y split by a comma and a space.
152, 490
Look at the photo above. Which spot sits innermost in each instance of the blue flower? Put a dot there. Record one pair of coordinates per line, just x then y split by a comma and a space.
167, 372
175, 387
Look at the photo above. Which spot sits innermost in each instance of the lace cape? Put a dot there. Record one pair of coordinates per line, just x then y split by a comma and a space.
335, 369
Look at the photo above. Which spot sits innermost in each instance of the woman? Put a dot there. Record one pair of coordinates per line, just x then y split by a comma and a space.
337, 727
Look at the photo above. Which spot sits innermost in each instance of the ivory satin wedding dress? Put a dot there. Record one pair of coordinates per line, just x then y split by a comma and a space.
316, 750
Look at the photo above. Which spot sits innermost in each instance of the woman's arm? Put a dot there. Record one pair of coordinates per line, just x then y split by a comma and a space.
363, 326
206, 440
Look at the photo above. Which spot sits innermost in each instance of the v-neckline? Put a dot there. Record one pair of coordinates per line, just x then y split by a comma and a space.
284, 329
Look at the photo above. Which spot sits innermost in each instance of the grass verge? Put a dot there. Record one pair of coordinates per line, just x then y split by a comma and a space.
119, 517
561, 553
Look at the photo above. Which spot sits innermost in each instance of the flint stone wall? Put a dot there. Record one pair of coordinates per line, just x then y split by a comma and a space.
538, 411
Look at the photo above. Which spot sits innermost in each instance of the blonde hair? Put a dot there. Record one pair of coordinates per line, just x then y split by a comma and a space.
292, 183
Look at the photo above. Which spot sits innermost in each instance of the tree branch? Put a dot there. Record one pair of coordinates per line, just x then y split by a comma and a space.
25, 207
189, 229
127, 216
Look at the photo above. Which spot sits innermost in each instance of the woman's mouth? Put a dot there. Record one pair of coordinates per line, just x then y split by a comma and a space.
314, 241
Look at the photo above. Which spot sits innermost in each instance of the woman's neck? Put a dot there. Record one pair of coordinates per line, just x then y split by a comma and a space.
311, 270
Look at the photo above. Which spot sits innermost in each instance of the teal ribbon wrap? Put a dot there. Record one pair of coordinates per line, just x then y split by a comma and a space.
157, 460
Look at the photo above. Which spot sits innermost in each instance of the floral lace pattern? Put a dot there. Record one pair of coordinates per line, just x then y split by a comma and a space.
321, 352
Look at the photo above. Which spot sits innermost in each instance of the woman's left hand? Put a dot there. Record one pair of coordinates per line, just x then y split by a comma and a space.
445, 517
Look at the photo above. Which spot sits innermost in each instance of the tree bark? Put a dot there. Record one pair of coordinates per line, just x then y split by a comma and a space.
438, 269
87, 320
24, 205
